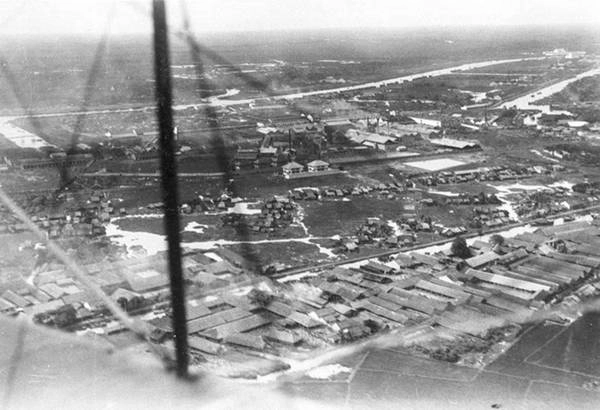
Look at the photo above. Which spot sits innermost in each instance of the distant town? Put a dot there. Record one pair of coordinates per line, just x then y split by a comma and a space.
452, 208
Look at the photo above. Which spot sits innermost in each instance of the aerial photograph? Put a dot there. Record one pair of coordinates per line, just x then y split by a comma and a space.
316, 204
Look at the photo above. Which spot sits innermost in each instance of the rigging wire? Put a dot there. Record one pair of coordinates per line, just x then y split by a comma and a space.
15, 361
66, 178
140, 329
216, 138
217, 142
168, 168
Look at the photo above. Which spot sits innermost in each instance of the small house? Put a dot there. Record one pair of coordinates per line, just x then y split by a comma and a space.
317, 166
291, 169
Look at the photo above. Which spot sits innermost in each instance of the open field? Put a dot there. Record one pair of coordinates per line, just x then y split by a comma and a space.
436, 164
325, 218
288, 253
571, 350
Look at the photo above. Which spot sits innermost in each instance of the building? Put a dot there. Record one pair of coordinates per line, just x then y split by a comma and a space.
317, 166
67, 161
291, 168
146, 280
428, 122
454, 143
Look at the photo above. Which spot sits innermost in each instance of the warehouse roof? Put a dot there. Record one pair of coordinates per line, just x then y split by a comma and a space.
482, 259
453, 143
146, 280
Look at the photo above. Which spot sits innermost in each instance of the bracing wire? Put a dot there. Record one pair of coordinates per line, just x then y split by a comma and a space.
65, 176
216, 139
66, 179
137, 327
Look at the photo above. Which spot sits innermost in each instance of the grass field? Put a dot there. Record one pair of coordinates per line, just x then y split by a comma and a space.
288, 253
326, 218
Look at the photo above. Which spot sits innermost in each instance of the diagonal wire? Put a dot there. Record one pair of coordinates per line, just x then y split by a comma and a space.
15, 361
216, 139
202, 50
197, 51
65, 176
63, 168
16, 90
137, 327
91, 80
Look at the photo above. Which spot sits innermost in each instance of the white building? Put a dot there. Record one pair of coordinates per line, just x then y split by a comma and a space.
317, 166
292, 168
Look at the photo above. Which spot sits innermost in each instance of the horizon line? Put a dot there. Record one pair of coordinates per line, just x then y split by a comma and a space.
342, 29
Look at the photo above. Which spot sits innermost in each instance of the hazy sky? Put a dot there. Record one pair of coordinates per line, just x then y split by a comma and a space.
131, 16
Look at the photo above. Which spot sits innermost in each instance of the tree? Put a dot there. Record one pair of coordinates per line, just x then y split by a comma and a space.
459, 248
64, 316
482, 198
497, 240
260, 297
122, 301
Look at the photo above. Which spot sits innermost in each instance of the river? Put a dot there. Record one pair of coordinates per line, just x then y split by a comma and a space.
527, 102
220, 100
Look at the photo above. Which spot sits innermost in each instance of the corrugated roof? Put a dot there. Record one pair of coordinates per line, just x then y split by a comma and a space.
304, 320
246, 340
238, 326
5, 305
15, 299
317, 163
284, 336
216, 319
452, 143
123, 293
416, 302
566, 227
82, 297
425, 259
383, 312
279, 308
203, 345
341, 308
555, 265
507, 281
220, 267
377, 267
53, 290
43, 307
146, 280
346, 290
440, 289
578, 259
195, 309
482, 259
522, 276
505, 304
513, 256
542, 274
232, 257
292, 165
